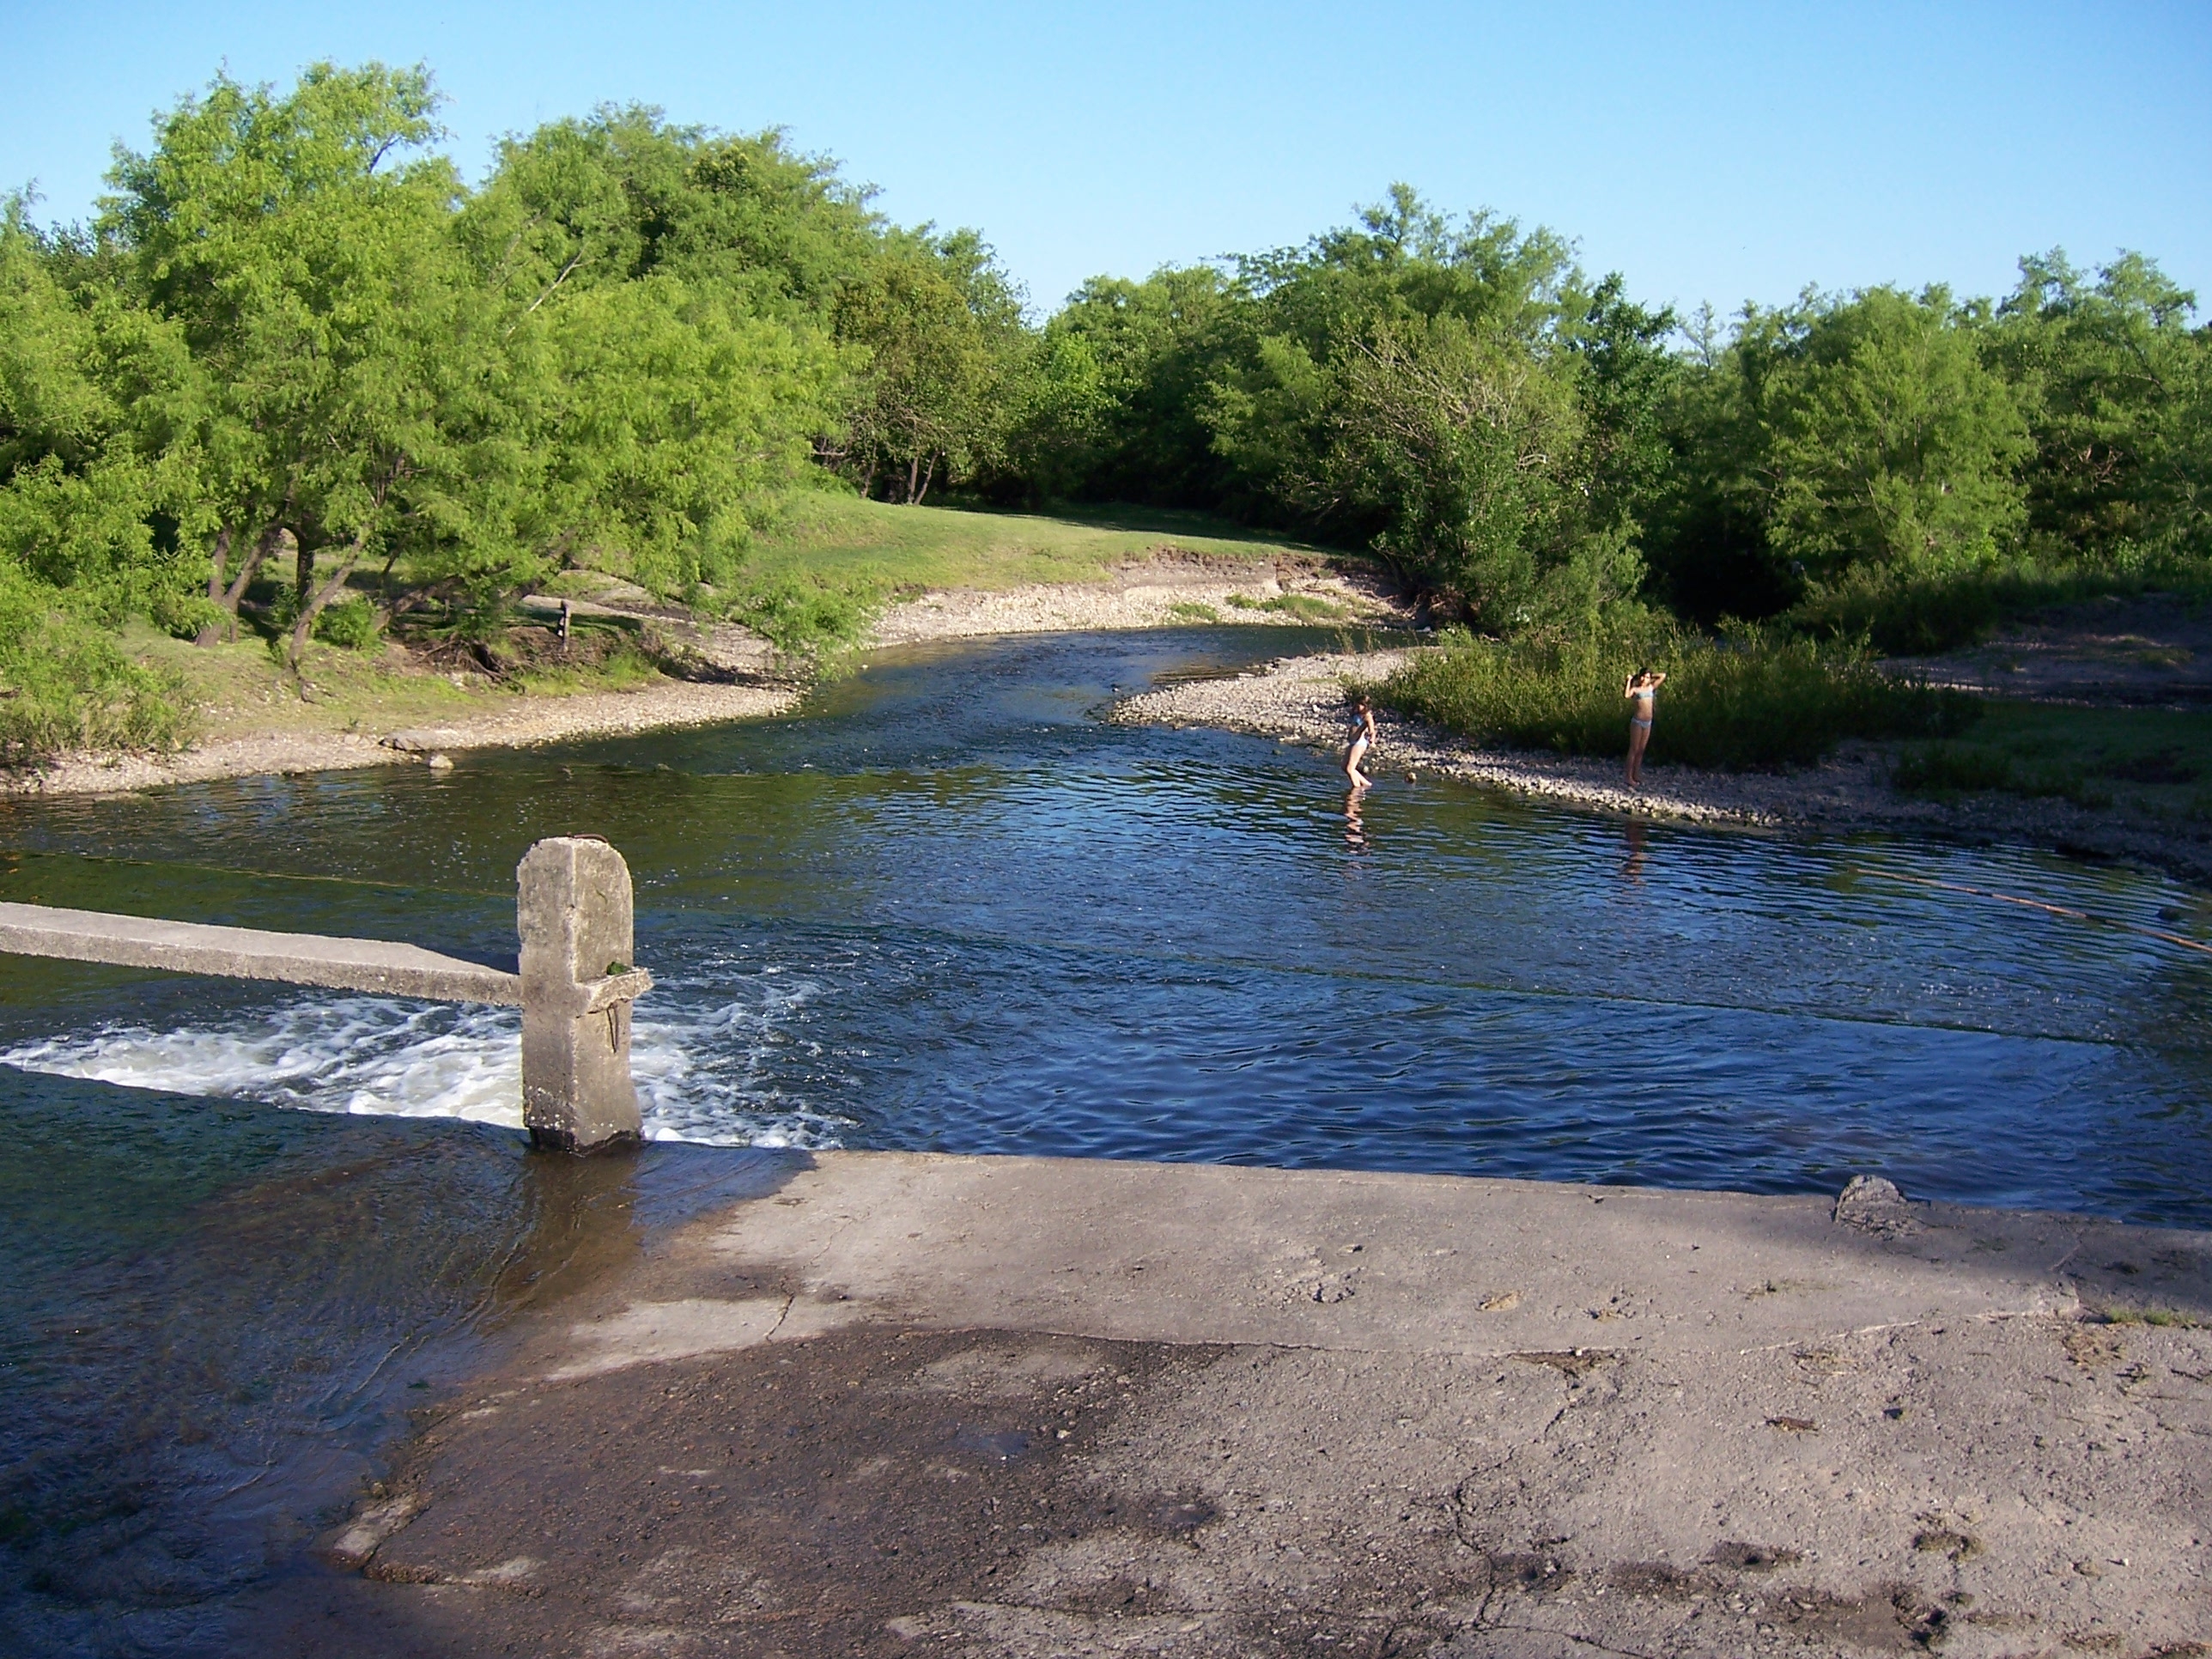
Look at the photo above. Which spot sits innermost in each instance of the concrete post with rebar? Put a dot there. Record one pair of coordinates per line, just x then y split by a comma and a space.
575, 987
573, 913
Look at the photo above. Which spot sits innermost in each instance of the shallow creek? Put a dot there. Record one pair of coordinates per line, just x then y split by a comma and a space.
947, 906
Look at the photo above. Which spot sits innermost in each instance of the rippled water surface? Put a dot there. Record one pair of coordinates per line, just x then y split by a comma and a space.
947, 907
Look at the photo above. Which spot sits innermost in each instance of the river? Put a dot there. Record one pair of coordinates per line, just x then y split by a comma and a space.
947, 906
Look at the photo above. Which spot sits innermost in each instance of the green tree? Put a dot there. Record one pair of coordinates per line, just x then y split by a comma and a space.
1890, 446
1125, 370
942, 330
1472, 450
668, 416
301, 244
79, 501
2119, 388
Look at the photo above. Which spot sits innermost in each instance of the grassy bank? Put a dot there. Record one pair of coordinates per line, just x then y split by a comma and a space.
1729, 706
831, 561
239, 690
2149, 762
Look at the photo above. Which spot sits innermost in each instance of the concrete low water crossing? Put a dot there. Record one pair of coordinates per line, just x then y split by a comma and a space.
946, 909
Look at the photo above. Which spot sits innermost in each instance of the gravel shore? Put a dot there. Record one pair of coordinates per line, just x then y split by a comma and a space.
1159, 592
1302, 700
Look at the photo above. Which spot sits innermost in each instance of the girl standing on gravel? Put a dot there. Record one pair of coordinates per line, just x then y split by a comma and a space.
1642, 693
1363, 738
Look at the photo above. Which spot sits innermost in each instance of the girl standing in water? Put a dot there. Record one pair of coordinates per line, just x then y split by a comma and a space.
1642, 693
1363, 738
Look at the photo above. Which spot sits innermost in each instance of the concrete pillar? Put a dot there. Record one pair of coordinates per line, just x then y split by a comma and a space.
572, 911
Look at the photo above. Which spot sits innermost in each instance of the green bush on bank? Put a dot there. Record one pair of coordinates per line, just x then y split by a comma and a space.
800, 615
351, 624
1732, 705
67, 685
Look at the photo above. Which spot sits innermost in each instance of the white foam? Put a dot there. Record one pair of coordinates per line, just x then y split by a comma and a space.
699, 1063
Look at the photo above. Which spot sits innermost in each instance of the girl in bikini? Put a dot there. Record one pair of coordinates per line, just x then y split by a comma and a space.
1363, 738
1642, 694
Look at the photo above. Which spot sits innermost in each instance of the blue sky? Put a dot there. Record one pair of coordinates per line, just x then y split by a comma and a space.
1711, 153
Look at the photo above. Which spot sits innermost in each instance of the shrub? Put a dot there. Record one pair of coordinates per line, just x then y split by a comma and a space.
66, 684
183, 615
1925, 612
351, 624
1306, 607
804, 616
1751, 702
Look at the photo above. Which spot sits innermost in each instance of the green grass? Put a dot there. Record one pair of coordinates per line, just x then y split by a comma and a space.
830, 561
1306, 607
1752, 704
2156, 761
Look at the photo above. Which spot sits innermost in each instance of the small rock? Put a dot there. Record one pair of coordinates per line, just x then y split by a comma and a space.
1874, 1205
362, 1536
438, 761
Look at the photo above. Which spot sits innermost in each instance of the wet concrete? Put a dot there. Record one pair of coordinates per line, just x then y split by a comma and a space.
916, 1405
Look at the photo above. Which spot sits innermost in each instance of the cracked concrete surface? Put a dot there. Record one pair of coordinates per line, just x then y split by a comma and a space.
908, 1405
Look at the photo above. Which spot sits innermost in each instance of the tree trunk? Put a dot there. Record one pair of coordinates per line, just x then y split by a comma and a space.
213, 632
320, 597
913, 476
303, 579
229, 598
927, 475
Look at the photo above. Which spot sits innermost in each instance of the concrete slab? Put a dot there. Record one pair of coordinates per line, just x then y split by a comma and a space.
917, 1404
187, 947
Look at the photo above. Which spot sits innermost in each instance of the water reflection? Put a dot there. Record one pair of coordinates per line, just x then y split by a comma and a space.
1355, 828
1635, 834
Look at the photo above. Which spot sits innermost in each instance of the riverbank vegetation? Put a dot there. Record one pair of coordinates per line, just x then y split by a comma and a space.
1751, 701
299, 382
2152, 762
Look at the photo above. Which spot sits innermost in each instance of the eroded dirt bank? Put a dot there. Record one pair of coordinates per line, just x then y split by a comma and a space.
913, 1405
1302, 699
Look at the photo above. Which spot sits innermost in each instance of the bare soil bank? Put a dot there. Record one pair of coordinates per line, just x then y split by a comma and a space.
1302, 700
2124, 651
1015, 1408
